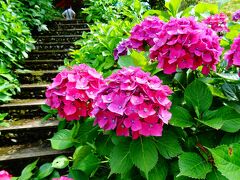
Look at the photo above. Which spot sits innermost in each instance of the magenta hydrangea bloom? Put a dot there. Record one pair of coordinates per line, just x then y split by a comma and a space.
73, 91
233, 55
184, 43
4, 175
141, 35
236, 15
217, 22
133, 103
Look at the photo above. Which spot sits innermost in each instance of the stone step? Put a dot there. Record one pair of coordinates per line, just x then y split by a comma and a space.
23, 109
49, 54
57, 38
28, 77
65, 31
25, 151
63, 21
21, 136
32, 91
44, 64
32, 124
27, 130
68, 26
55, 46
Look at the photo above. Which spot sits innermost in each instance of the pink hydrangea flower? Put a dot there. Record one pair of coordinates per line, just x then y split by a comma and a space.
236, 15
217, 22
133, 103
73, 91
4, 175
141, 35
184, 43
62, 178
233, 55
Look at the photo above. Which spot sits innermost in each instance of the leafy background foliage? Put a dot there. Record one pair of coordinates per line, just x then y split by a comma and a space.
18, 18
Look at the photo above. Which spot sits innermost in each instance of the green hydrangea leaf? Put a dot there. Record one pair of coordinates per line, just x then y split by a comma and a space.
215, 175
180, 117
60, 162
192, 165
44, 171
168, 145
160, 171
144, 154
62, 140
226, 159
198, 95
120, 161
224, 118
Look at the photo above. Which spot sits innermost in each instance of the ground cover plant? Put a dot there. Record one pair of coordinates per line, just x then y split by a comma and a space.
167, 108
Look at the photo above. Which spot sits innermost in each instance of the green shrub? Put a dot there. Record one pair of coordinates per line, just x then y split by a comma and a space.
104, 11
16, 19
34, 13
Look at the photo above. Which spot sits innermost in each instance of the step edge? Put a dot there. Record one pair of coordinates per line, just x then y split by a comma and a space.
24, 102
24, 152
30, 124
34, 85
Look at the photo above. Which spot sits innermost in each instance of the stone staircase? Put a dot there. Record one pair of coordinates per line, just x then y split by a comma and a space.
26, 138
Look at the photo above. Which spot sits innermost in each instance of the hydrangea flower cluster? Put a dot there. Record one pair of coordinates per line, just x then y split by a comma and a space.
73, 91
4, 175
184, 43
141, 35
133, 103
236, 15
233, 55
145, 32
217, 22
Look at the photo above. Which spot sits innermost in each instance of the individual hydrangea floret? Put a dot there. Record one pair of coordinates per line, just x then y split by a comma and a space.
4, 175
233, 55
218, 23
184, 43
62, 178
73, 91
141, 35
236, 15
133, 103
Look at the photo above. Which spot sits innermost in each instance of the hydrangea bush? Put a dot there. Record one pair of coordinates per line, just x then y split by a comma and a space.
169, 110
